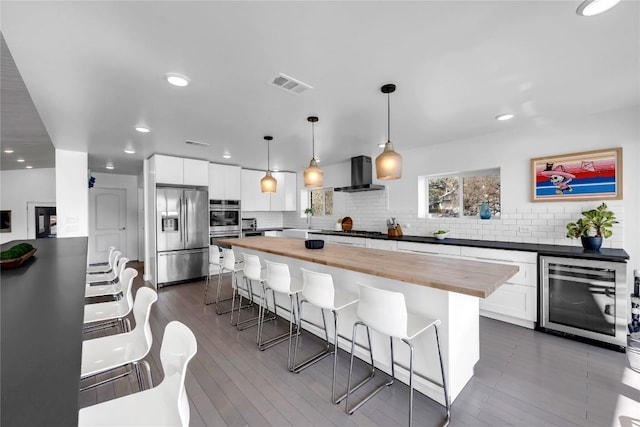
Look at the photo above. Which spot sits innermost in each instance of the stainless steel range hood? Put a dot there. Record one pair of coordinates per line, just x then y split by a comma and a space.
361, 176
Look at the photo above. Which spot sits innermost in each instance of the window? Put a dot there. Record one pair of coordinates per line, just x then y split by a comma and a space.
320, 201
460, 194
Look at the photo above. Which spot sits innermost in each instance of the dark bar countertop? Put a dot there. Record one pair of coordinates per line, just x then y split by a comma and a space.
42, 315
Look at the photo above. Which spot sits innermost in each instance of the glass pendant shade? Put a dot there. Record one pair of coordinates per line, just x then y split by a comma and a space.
313, 175
268, 184
389, 163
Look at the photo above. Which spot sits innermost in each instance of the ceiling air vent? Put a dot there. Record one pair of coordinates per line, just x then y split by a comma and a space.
290, 84
204, 144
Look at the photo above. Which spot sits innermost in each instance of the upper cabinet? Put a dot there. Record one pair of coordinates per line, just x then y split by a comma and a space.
253, 199
224, 182
179, 171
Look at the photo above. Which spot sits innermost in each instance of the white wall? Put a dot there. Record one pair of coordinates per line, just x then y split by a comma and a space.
20, 187
72, 193
129, 183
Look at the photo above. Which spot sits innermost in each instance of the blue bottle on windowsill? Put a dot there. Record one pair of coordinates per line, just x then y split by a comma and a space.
485, 211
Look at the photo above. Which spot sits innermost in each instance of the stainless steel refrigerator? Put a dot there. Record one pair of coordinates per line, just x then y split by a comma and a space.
182, 234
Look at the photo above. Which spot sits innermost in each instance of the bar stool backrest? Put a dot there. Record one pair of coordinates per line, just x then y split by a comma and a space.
317, 288
228, 259
127, 286
214, 254
384, 311
111, 259
120, 266
252, 267
278, 276
145, 297
178, 348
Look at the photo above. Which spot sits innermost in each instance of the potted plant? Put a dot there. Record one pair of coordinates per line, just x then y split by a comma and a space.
594, 226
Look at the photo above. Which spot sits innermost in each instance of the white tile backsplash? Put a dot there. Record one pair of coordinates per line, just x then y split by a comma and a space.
546, 223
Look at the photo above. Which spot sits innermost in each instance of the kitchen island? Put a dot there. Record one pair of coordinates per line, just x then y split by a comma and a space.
445, 288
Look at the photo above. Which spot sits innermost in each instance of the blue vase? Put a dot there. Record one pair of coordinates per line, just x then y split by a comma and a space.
485, 212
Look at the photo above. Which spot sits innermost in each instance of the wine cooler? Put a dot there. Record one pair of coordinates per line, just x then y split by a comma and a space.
584, 298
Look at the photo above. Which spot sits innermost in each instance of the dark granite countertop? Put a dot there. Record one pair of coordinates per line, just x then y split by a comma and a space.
615, 255
42, 317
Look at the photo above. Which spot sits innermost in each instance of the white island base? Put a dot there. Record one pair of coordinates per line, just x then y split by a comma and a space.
459, 332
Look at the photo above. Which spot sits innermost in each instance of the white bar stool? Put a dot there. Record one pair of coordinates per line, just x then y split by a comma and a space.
114, 313
252, 272
318, 290
279, 280
230, 265
215, 267
104, 268
386, 312
108, 290
110, 276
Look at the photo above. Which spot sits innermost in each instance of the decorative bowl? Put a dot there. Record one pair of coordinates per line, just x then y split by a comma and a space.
314, 244
441, 235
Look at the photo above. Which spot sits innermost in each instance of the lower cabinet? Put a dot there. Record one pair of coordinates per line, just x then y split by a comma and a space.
516, 300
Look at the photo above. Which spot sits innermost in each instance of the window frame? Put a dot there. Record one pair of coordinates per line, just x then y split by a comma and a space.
423, 191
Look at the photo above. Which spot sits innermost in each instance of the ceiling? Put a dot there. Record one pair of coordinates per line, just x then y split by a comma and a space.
95, 70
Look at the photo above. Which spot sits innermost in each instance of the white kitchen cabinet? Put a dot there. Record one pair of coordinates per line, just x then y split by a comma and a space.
169, 170
224, 182
360, 242
277, 199
253, 199
429, 249
273, 233
195, 172
515, 301
387, 245
290, 192
179, 171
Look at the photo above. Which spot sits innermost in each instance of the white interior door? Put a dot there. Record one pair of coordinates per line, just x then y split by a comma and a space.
107, 222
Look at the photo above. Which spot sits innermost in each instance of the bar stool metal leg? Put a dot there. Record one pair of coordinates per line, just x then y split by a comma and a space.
316, 357
444, 381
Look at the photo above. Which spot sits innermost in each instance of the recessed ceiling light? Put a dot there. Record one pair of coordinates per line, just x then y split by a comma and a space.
29, 167
143, 129
130, 151
8, 151
20, 160
110, 167
595, 7
503, 117
381, 145
226, 156
275, 170
177, 79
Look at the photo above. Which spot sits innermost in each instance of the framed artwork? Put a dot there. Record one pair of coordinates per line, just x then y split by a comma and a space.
587, 175
5, 221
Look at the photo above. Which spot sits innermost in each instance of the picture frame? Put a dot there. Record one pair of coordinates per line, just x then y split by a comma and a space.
5, 221
587, 175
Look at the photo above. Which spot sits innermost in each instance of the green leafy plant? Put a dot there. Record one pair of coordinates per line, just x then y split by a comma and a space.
440, 232
598, 221
16, 251
308, 211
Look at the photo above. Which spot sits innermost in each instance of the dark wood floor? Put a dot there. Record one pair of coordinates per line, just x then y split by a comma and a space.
523, 378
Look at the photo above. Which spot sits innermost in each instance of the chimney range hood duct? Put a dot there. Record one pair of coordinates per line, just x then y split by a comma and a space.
361, 176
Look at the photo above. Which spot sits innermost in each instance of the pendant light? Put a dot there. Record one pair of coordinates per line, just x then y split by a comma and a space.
313, 175
268, 184
388, 163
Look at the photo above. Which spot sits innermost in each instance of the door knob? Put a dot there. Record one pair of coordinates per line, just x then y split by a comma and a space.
123, 228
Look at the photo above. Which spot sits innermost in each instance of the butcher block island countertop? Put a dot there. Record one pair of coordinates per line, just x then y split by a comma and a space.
474, 278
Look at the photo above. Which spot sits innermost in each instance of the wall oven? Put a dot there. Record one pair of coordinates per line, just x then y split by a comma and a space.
224, 216
584, 298
224, 220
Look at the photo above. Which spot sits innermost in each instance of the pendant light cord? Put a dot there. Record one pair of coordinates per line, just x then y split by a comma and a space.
388, 118
313, 141
268, 156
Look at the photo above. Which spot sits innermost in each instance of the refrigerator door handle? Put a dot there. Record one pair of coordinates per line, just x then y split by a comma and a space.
186, 218
180, 210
